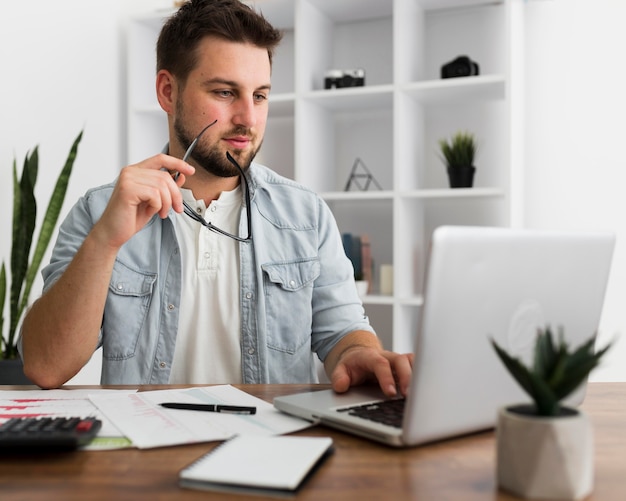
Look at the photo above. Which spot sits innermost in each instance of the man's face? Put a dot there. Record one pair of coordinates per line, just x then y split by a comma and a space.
230, 84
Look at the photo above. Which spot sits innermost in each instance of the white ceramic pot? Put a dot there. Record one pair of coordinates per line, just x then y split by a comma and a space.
544, 457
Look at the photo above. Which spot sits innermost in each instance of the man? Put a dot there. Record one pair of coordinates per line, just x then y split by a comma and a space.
170, 301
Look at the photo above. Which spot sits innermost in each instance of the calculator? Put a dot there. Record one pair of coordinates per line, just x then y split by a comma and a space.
48, 432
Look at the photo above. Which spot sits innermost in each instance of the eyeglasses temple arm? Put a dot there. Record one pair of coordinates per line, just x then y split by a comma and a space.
247, 194
193, 145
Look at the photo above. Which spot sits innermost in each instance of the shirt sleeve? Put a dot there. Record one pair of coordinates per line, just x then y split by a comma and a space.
337, 307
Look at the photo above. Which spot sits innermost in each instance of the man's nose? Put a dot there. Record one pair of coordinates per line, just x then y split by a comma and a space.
245, 112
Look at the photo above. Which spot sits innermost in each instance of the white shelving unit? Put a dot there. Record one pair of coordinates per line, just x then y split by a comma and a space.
392, 124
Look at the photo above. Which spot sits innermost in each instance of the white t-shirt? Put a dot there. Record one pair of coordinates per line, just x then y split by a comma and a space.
208, 347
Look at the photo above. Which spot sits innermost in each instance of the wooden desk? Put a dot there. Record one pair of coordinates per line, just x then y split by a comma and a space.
459, 469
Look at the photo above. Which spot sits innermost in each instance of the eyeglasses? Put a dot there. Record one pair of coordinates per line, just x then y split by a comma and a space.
197, 217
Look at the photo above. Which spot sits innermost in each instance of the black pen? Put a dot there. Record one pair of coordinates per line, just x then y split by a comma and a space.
232, 409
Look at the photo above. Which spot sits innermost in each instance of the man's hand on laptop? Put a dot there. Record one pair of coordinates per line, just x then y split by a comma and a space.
359, 359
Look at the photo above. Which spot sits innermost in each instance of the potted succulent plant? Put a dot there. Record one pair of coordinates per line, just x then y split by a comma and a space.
545, 449
458, 154
22, 271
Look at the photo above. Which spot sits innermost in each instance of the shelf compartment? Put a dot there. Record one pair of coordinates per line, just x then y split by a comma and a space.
331, 141
443, 193
353, 98
281, 105
456, 193
487, 20
277, 151
391, 300
374, 219
343, 35
434, 5
462, 89
338, 196
464, 212
283, 74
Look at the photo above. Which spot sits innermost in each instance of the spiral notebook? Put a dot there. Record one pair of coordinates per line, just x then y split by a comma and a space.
269, 465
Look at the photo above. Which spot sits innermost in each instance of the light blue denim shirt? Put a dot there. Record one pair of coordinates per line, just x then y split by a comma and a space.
297, 290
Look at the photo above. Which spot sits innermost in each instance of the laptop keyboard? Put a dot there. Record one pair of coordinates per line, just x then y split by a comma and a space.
389, 412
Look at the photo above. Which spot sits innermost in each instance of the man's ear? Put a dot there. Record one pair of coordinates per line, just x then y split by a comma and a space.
166, 89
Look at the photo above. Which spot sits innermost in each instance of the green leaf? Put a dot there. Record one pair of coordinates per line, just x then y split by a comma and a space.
556, 372
518, 370
545, 400
580, 364
32, 166
24, 219
532, 383
23, 274
545, 354
50, 220
3, 294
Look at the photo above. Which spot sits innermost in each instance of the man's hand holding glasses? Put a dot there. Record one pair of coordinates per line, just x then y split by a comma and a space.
141, 191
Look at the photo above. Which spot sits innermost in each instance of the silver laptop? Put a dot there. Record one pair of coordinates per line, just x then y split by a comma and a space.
482, 283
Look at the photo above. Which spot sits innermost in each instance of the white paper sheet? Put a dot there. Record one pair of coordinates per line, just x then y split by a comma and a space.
147, 425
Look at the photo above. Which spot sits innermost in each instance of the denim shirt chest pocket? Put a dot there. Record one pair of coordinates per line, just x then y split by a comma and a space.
288, 287
127, 305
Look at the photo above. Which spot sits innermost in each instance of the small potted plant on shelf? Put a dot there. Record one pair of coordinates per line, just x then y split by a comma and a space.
545, 449
22, 272
458, 154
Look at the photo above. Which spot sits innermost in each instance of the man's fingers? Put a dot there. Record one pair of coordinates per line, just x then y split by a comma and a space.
385, 376
391, 370
169, 163
340, 379
402, 366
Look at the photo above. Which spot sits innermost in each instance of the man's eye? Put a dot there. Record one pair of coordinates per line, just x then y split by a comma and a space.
260, 97
224, 93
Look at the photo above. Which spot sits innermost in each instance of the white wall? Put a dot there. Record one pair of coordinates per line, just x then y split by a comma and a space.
63, 70
575, 162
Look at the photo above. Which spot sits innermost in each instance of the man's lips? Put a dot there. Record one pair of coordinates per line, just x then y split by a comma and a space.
238, 142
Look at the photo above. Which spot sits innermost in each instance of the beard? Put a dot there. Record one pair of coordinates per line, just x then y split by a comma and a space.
209, 157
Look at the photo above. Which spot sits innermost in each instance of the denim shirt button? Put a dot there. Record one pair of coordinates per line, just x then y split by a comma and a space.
170, 307
250, 351
162, 365
292, 283
248, 295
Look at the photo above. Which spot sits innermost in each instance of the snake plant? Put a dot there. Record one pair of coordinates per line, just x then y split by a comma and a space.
23, 271
556, 371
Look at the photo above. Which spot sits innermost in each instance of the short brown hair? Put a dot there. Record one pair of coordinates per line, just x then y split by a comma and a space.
226, 19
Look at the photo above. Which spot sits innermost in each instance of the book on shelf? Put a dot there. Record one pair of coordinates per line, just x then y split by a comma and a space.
366, 261
358, 250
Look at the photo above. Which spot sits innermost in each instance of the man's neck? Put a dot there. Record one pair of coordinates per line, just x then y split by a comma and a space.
207, 187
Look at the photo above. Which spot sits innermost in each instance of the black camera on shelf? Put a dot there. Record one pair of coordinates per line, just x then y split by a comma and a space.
338, 79
462, 66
